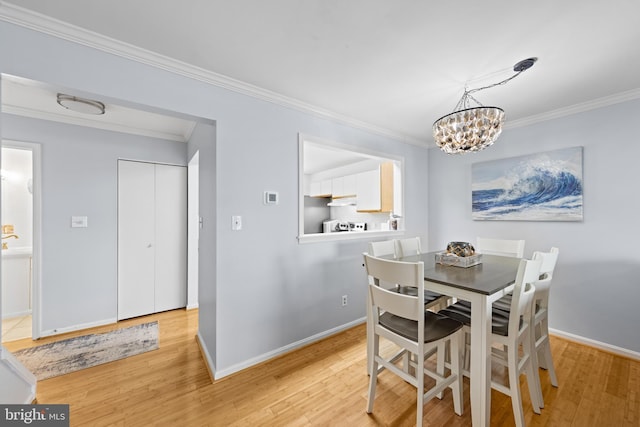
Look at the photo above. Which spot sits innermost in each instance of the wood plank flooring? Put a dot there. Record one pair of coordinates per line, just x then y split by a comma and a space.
324, 384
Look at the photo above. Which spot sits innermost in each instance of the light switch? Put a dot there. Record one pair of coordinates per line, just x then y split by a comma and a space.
79, 222
236, 222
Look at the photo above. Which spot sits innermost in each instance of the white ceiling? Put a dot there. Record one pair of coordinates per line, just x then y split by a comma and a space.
395, 65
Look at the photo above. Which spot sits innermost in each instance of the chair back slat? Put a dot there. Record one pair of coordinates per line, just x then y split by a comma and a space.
408, 247
523, 293
543, 284
383, 248
403, 273
502, 247
401, 305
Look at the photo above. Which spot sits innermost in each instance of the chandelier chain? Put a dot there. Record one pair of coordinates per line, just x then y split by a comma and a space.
505, 81
463, 103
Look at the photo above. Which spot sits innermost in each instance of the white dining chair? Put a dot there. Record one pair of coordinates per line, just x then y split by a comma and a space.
432, 300
403, 320
540, 321
392, 248
541, 314
513, 333
409, 246
502, 247
412, 246
383, 248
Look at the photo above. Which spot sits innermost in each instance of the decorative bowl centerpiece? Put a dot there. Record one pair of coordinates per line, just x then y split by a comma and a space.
459, 254
463, 249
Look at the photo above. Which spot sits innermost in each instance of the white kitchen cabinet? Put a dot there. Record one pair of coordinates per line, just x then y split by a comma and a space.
344, 186
374, 189
368, 191
321, 188
152, 243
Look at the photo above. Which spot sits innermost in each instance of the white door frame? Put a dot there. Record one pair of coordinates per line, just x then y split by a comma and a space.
193, 229
36, 245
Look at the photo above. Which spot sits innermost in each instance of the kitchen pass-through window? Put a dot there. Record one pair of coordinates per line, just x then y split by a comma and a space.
346, 191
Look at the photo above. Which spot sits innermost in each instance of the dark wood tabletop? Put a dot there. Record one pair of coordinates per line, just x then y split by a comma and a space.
492, 275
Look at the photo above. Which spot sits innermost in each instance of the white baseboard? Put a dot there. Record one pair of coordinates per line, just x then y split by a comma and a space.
597, 344
74, 328
286, 349
211, 367
192, 306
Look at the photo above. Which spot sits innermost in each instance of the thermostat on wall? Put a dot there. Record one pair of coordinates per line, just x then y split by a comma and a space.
270, 198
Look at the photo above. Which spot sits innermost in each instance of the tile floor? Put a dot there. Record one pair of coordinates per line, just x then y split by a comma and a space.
16, 328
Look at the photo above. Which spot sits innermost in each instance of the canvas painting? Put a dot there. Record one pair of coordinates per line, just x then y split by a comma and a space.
538, 187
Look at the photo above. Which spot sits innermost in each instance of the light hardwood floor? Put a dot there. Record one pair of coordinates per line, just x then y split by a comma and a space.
323, 384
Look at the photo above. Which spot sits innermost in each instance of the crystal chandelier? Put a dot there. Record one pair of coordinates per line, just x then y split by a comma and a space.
470, 128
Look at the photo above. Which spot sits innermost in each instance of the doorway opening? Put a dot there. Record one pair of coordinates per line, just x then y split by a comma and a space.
20, 218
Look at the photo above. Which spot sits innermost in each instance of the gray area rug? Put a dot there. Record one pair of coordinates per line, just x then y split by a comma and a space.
73, 354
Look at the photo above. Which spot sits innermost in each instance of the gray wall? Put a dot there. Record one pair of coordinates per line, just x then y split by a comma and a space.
596, 287
269, 292
79, 177
203, 140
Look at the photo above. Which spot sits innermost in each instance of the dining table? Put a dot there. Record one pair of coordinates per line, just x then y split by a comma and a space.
481, 285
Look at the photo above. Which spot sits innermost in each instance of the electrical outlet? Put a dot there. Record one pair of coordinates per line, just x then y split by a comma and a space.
236, 222
344, 300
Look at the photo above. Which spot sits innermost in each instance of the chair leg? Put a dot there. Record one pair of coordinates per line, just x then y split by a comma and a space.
369, 337
544, 354
440, 360
407, 357
533, 379
420, 387
456, 387
531, 370
373, 373
549, 363
514, 386
539, 334
466, 364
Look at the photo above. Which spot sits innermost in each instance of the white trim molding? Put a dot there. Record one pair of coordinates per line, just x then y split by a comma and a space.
204, 351
596, 344
58, 331
575, 109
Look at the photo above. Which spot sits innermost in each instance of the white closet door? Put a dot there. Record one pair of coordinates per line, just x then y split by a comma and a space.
171, 237
136, 239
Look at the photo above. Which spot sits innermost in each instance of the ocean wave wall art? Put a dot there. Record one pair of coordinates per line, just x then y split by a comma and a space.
538, 187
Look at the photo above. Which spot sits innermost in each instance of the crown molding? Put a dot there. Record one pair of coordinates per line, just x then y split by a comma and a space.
575, 109
56, 28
